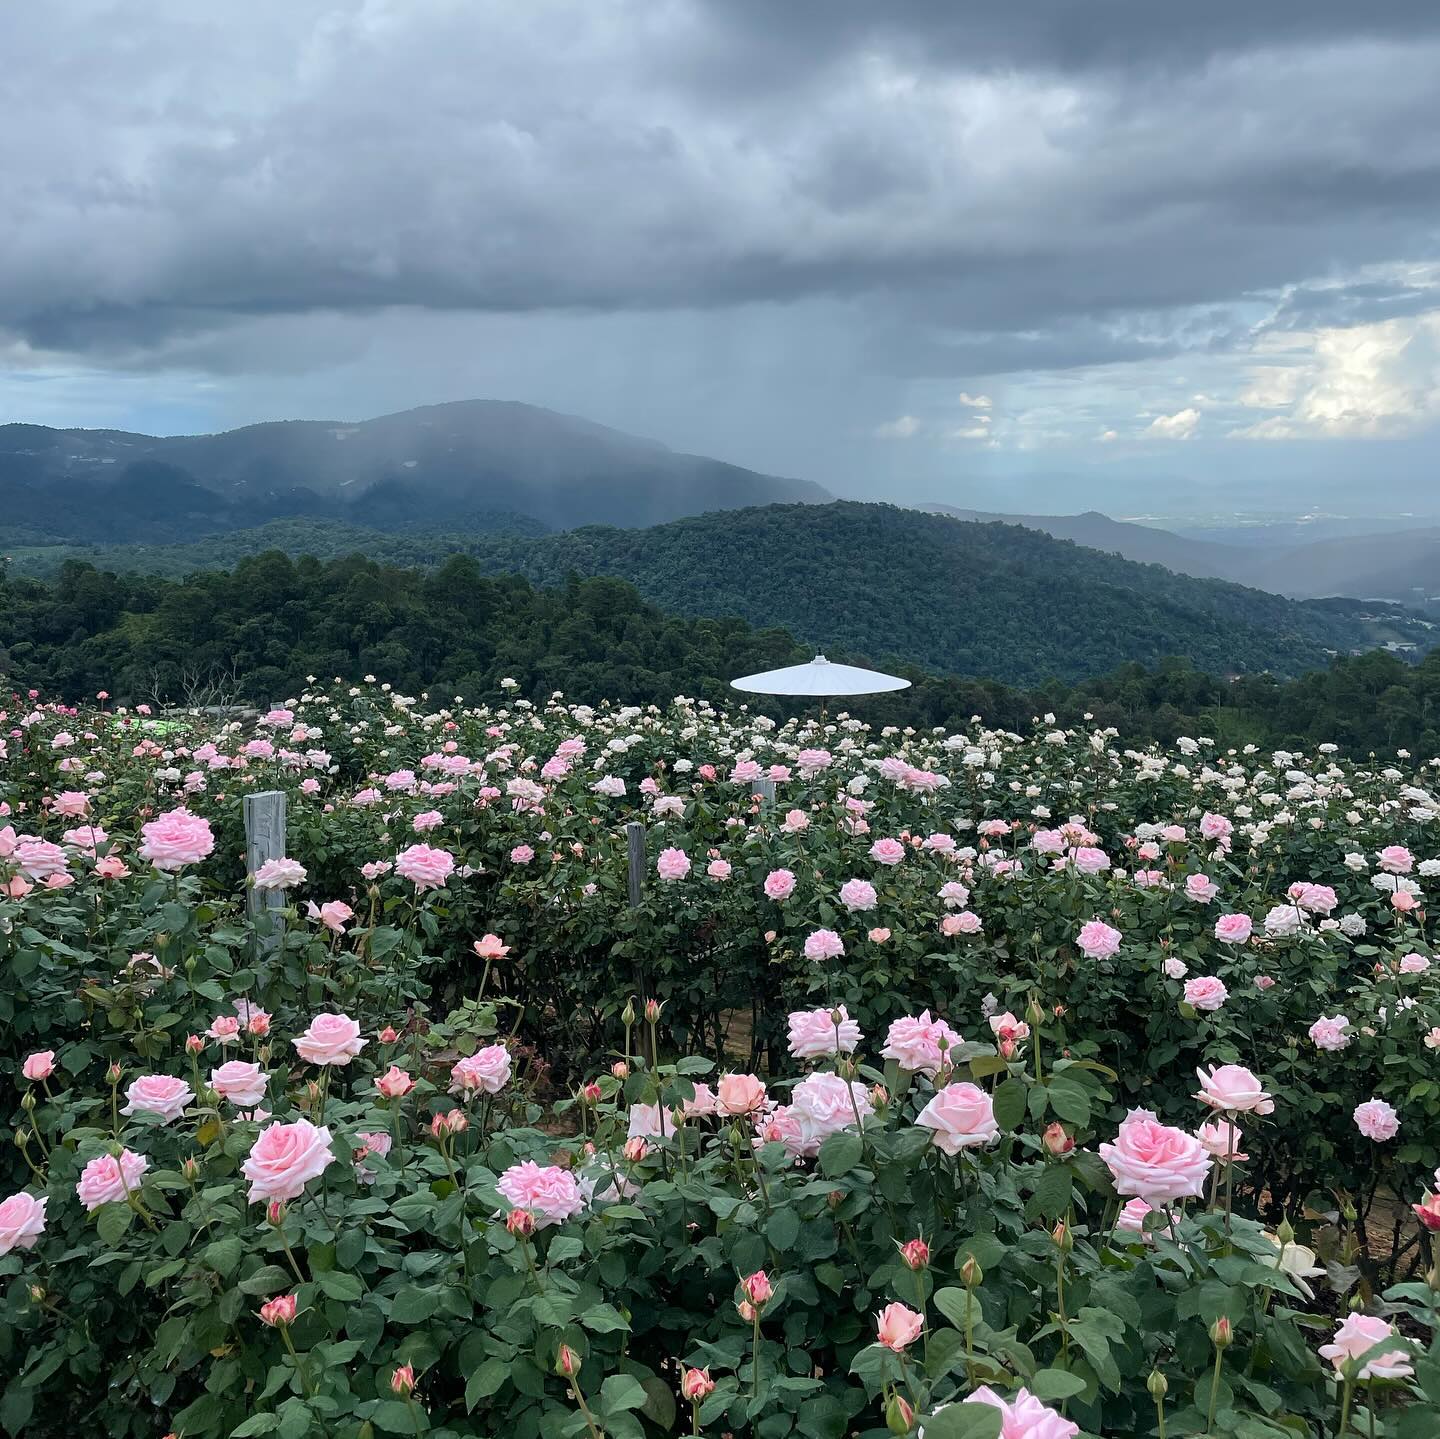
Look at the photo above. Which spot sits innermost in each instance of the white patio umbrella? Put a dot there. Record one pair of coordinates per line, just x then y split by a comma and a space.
820, 679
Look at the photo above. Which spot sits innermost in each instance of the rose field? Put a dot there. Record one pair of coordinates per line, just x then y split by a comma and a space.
576, 1071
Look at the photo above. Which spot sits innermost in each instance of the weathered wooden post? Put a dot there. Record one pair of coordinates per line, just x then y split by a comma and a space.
264, 839
635, 843
765, 788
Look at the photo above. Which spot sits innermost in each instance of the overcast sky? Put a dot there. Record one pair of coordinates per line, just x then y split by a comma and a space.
1048, 255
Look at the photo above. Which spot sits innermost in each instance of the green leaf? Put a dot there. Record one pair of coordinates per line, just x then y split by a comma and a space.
397, 1417
783, 1229
951, 1303
604, 1319
1055, 1384
224, 1255
271, 1279
413, 1306
112, 1222
296, 1418
840, 1153
1069, 1099
16, 1407
965, 1421
1052, 1193
488, 1379
659, 1405
337, 1285
262, 1423
620, 1392
1009, 1106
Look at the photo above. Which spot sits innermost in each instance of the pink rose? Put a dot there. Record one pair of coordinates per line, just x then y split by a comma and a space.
1201, 888
331, 1039
395, 1083
961, 1116
1025, 1416
108, 1178
1376, 1120
1097, 940
718, 869
242, 1083
1396, 859
158, 1094
897, 1327
377, 1142
486, 1071
490, 946
225, 1028
823, 944
1221, 1139
1175, 968
424, 867
649, 1121
1155, 1161
39, 859
878, 935
279, 874
22, 1222
1233, 928
40, 1065
814, 1034
672, 864
1205, 992
1358, 1333
285, 1158
549, 1193
1234, 1089
1089, 860
920, 1044
335, 915
1215, 826
176, 839
1414, 964
1330, 1033
739, 1094
779, 884
1131, 1219
887, 851
857, 894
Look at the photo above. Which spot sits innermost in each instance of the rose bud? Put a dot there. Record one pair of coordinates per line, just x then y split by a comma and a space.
279, 1311
402, 1381
696, 1385
520, 1222
1057, 1141
915, 1253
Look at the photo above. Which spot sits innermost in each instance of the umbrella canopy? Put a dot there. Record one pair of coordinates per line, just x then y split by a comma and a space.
820, 678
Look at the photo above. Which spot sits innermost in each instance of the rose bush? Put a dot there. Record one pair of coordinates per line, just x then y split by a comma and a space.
464, 1137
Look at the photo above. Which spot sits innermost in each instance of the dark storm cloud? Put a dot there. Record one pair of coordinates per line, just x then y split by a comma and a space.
999, 186
754, 38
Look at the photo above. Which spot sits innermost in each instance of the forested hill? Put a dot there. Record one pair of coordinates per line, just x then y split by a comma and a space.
989, 600
257, 633
976, 599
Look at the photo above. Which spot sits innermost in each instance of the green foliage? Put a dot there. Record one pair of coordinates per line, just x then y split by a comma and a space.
990, 600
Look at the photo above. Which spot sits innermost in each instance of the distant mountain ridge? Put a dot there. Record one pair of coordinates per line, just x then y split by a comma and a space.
1399, 565
435, 464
